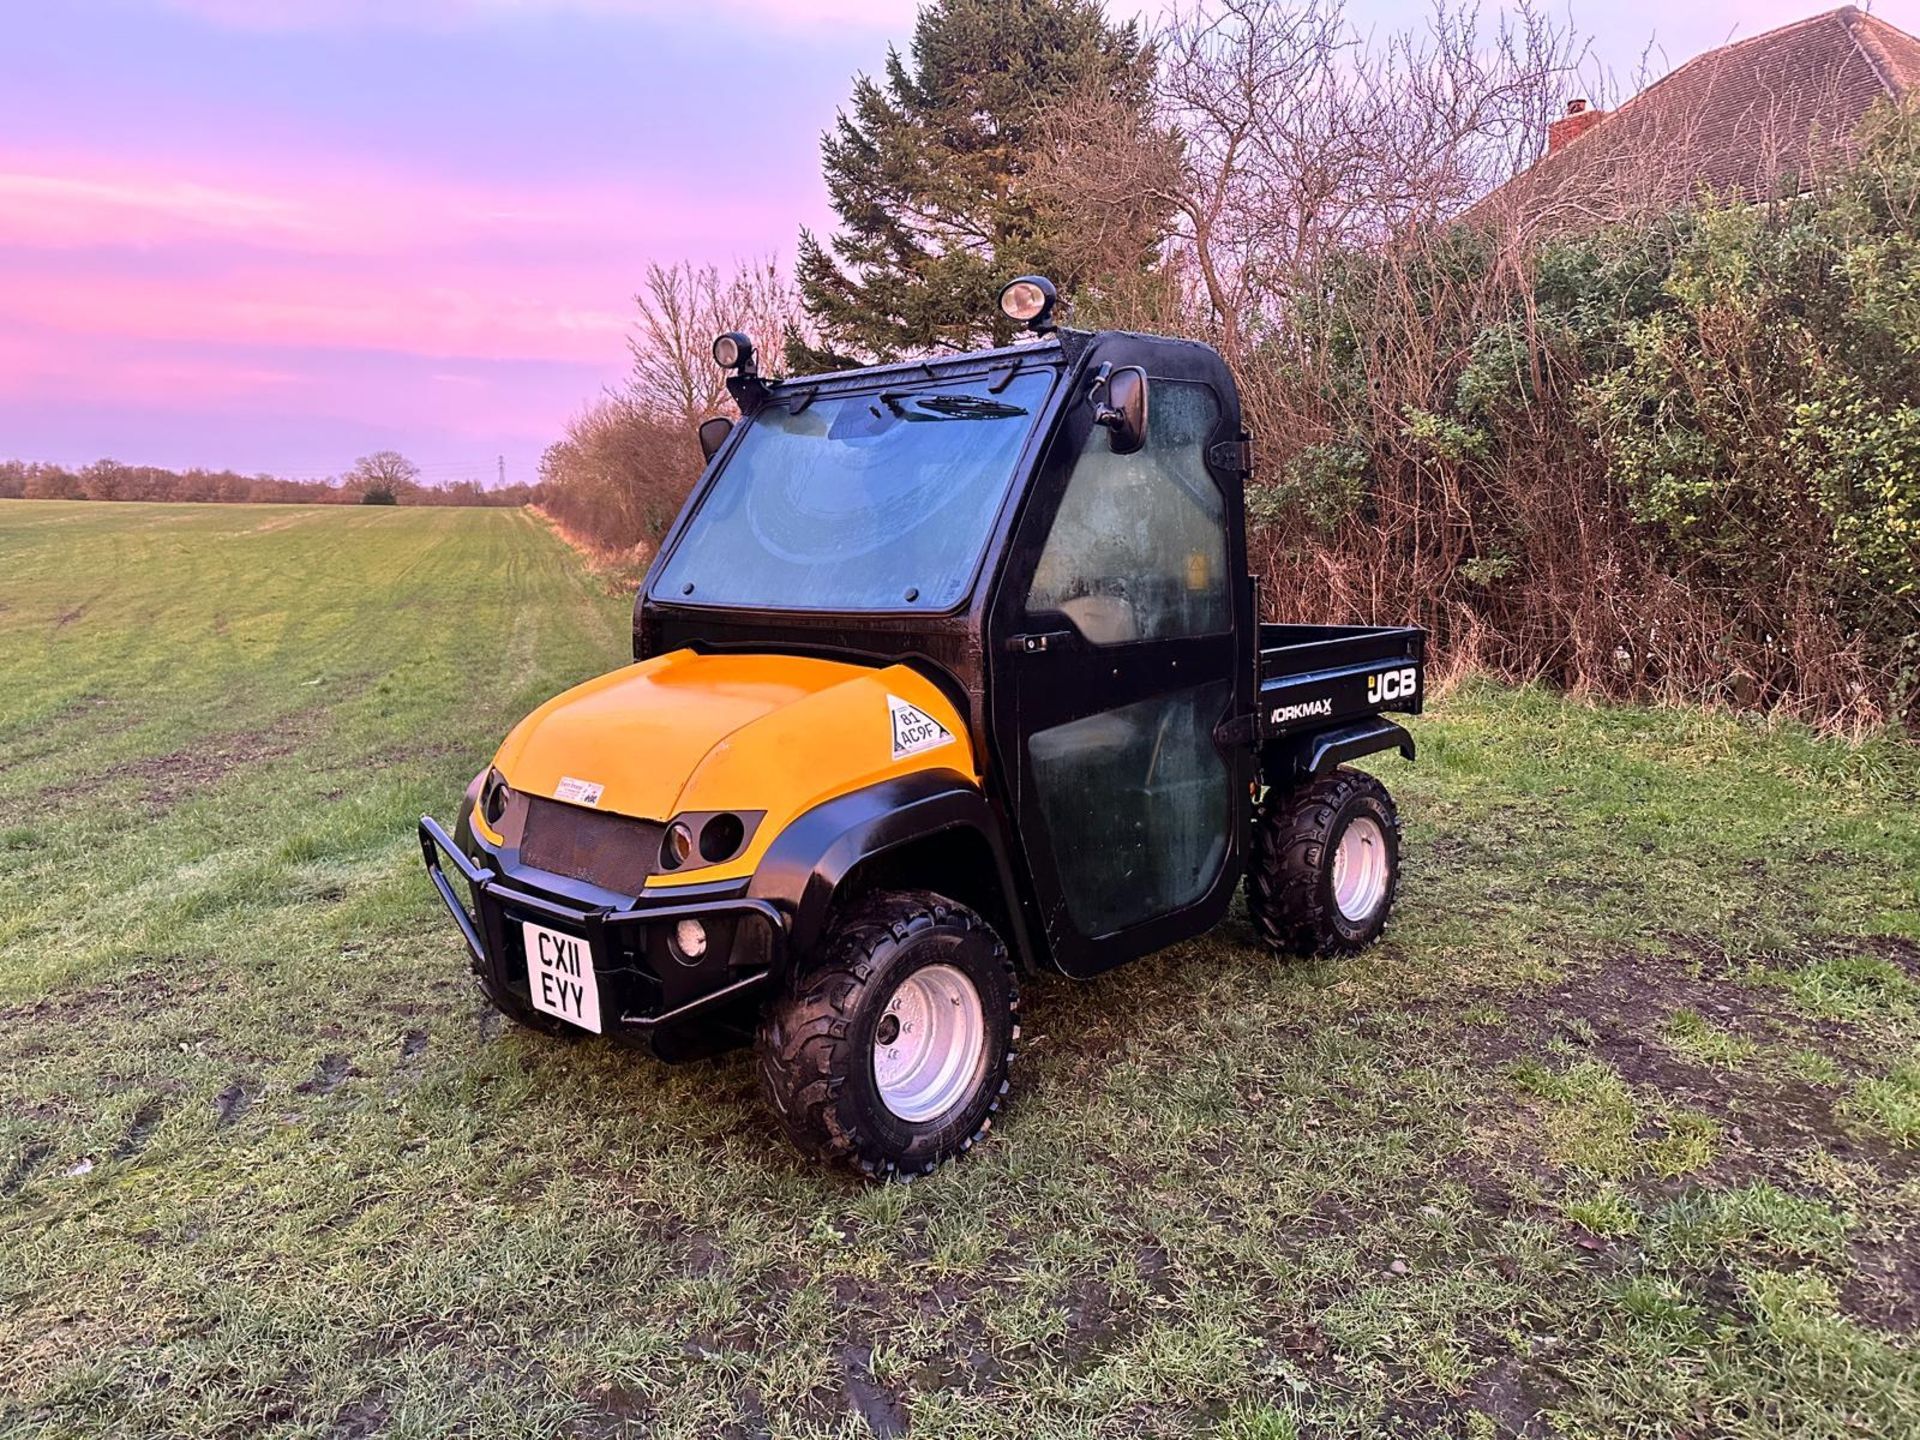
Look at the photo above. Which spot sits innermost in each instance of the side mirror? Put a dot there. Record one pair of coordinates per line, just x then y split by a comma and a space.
1122, 408
713, 434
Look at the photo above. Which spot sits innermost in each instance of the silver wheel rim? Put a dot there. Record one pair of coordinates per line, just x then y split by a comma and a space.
1360, 869
928, 1042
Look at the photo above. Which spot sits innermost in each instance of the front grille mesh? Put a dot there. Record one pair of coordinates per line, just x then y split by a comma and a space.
610, 851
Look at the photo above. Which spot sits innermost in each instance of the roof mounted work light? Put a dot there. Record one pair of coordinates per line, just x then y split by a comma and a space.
734, 351
1030, 301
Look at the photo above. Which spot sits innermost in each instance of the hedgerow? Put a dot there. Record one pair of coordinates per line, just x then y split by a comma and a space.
1677, 454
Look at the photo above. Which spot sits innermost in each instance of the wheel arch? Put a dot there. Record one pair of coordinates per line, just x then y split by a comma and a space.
932, 830
1300, 759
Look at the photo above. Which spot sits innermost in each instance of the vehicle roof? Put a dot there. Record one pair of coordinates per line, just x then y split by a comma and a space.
1047, 350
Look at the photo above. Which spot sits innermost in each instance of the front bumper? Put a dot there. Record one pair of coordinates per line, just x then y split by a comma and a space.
654, 993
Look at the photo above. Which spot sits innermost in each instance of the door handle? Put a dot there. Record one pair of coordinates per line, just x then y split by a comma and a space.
1036, 642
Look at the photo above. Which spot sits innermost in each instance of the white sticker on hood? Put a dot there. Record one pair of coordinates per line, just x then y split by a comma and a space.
914, 730
580, 792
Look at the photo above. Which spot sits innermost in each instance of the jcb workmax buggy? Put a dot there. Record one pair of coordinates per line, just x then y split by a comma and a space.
949, 673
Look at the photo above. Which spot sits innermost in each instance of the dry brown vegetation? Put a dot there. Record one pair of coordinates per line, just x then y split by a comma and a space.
1568, 429
1595, 426
627, 460
619, 475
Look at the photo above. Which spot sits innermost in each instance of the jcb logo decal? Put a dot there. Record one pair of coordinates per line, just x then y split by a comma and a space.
1392, 685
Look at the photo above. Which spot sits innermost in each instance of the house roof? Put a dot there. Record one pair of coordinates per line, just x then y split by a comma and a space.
1736, 119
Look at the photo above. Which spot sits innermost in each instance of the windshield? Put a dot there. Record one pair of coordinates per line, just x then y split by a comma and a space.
875, 501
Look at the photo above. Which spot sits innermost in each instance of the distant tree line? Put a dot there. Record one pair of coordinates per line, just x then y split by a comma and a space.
384, 478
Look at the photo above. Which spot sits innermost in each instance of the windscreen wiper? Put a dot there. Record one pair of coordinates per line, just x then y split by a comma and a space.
909, 405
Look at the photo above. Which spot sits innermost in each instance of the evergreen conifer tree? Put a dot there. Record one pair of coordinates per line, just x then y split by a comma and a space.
924, 172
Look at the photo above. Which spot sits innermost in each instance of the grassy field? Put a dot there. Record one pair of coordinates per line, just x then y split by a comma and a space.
1618, 1133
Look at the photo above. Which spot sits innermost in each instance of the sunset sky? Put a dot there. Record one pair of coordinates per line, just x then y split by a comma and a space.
276, 234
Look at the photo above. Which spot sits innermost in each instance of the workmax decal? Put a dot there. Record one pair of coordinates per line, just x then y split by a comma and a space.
580, 792
914, 730
1284, 713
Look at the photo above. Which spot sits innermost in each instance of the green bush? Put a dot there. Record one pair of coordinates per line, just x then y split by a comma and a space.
1678, 454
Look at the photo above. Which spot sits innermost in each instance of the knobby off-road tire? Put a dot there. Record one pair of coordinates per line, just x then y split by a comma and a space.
1298, 875
843, 1038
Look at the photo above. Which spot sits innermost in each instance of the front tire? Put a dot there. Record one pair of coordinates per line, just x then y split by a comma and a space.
1325, 865
891, 1052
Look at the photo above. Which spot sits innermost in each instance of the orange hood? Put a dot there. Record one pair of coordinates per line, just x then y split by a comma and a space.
774, 733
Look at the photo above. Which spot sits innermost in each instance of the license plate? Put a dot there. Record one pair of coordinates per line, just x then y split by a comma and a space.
560, 976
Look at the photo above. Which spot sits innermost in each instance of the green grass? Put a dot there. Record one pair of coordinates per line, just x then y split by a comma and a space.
1695, 1036
1891, 1104
1614, 1135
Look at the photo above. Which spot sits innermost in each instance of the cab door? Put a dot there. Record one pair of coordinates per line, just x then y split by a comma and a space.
1122, 660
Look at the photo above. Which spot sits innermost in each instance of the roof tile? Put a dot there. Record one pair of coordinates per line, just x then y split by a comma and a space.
1739, 119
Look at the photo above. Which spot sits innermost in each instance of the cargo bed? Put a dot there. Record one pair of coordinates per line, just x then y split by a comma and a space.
1316, 676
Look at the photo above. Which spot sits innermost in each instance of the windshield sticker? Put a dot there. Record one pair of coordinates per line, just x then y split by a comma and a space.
580, 792
914, 730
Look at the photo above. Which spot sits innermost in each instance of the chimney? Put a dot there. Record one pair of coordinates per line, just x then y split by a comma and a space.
1579, 119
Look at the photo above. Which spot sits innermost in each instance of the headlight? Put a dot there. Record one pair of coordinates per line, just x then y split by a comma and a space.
720, 837
710, 837
676, 846
690, 938
493, 799
1030, 301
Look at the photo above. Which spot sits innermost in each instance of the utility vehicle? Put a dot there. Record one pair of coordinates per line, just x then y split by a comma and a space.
949, 672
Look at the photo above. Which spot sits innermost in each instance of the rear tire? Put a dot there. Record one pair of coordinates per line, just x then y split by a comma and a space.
1325, 865
890, 1053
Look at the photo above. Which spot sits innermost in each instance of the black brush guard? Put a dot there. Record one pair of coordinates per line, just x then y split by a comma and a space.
607, 931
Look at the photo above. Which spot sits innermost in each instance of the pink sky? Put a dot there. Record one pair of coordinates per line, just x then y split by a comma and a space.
275, 234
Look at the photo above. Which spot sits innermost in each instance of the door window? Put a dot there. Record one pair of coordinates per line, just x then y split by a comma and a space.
1136, 802
1138, 548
